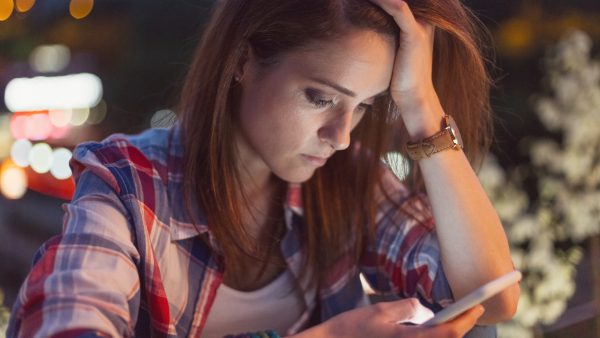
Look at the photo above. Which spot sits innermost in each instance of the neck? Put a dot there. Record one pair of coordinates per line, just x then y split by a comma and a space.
262, 192
255, 175
262, 199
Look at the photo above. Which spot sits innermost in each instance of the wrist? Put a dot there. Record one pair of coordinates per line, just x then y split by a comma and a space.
447, 138
422, 127
422, 117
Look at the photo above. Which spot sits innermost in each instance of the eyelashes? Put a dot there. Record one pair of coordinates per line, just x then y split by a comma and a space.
318, 100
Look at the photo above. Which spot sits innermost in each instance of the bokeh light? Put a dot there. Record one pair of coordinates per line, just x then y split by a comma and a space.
42, 125
24, 5
13, 180
516, 36
6, 9
58, 92
60, 163
60, 117
38, 127
19, 152
50, 58
79, 9
40, 158
59, 132
6, 138
18, 124
79, 116
98, 113
163, 119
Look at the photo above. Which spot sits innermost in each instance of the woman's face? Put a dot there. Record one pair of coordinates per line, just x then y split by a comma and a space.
295, 114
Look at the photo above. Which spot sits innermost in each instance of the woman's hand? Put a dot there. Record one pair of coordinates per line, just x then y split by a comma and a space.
380, 320
412, 85
474, 248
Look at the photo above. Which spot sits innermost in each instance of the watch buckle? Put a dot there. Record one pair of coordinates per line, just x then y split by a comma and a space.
427, 148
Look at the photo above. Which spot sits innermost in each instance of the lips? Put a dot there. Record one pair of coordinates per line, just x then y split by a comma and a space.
315, 160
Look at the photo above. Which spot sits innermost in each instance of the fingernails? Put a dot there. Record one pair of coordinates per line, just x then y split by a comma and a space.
479, 310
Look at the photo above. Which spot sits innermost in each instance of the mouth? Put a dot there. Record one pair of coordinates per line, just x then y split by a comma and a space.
317, 161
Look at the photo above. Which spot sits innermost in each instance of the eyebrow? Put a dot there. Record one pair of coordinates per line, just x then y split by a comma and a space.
343, 90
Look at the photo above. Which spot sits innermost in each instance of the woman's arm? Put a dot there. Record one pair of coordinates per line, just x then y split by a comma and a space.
84, 283
473, 244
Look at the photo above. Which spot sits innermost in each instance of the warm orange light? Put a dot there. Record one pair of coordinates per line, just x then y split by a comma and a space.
79, 9
516, 36
48, 185
24, 5
6, 9
13, 180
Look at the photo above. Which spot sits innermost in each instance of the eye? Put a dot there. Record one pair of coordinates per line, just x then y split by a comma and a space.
317, 99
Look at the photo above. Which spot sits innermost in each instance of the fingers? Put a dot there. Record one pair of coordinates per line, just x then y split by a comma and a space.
401, 13
412, 74
405, 19
459, 326
468, 319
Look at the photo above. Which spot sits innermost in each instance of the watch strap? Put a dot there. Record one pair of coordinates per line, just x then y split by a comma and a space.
447, 138
441, 140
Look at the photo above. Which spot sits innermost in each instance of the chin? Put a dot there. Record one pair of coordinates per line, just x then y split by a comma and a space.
296, 176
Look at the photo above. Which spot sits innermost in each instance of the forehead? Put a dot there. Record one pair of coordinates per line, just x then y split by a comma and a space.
359, 60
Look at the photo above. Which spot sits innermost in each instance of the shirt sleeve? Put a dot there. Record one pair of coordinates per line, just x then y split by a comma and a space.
404, 257
83, 283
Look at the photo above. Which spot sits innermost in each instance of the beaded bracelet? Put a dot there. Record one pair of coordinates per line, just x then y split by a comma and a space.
257, 334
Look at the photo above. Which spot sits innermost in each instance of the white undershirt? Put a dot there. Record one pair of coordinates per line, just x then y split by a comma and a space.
276, 306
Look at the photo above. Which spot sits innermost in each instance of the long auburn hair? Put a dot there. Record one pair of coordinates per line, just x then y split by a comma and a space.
338, 201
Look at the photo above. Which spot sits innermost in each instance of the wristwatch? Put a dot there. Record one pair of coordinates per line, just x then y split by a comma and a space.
447, 138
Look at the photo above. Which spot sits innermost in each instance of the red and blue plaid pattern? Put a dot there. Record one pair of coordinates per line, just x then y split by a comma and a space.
129, 261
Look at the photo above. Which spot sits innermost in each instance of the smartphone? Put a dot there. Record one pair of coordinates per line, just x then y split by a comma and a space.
475, 297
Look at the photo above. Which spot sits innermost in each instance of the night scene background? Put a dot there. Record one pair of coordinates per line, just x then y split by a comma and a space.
117, 66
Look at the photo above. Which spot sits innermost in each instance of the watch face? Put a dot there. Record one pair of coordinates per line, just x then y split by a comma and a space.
454, 132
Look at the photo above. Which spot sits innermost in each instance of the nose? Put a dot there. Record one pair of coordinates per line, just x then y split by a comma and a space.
336, 132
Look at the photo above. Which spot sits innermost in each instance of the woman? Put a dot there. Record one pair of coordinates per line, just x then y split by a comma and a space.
260, 207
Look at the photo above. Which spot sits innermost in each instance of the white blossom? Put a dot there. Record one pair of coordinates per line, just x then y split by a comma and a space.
566, 208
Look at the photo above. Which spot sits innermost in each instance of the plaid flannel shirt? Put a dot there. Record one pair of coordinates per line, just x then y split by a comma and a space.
129, 261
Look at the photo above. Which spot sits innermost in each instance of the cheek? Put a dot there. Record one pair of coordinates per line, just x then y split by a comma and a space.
285, 119
277, 122
279, 130
291, 131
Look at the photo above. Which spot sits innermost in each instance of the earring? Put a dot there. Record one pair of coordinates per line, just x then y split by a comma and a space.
237, 78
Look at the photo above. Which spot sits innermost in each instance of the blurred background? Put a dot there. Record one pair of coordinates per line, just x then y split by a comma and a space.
78, 70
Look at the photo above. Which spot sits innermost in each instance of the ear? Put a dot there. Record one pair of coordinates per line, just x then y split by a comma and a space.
246, 63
